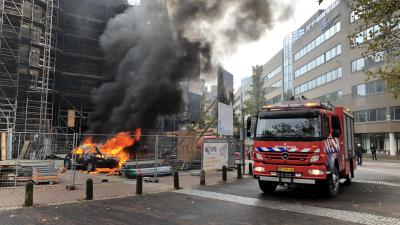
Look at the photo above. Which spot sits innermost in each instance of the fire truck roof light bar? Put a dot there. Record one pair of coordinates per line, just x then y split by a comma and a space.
301, 104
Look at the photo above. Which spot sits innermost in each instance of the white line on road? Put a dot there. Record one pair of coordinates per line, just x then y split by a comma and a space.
376, 182
344, 215
379, 171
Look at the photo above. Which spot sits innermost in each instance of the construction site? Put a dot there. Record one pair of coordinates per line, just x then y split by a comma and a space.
50, 62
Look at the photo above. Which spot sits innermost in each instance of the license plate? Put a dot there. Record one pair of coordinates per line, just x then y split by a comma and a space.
285, 169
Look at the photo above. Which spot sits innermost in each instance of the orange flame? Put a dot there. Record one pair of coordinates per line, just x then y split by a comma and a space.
113, 147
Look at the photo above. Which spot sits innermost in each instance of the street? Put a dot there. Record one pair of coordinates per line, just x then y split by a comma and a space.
372, 198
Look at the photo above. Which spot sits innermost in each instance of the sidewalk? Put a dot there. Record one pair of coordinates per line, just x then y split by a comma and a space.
381, 158
116, 186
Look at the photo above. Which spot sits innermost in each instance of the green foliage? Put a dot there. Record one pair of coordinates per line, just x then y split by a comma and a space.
385, 37
257, 92
205, 117
236, 117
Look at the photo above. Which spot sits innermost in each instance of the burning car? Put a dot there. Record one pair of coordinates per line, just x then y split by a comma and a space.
90, 158
111, 153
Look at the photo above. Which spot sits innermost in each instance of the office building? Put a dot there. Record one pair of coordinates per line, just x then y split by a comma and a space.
318, 61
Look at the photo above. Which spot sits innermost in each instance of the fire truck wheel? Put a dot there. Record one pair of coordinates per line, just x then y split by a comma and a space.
332, 184
267, 186
90, 167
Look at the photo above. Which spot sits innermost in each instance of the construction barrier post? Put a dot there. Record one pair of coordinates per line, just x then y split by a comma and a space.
202, 178
139, 185
239, 171
176, 180
28, 194
224, 175
89, 189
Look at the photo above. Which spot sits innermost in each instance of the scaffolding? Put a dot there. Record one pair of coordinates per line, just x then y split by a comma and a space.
30, 96
27, 64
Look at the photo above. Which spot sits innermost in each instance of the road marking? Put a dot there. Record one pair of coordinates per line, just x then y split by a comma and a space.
377, 182
344, 215
379, 171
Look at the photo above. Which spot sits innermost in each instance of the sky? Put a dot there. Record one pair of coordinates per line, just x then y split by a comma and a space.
258, 53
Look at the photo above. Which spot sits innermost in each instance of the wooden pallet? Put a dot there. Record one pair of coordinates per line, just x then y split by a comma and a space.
45, 174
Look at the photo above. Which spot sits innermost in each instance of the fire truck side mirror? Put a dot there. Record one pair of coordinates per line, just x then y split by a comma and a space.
335, 133
248, 127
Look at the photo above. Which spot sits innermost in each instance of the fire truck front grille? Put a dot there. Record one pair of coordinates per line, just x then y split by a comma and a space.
292, 156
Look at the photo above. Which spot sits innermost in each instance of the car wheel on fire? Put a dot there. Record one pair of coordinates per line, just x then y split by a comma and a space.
90, 167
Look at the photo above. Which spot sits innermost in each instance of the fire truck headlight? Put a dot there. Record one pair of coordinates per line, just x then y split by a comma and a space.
259, 156
316, 172
259, 169
314, 158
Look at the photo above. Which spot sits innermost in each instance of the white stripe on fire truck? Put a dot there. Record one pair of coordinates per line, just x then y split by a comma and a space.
317, 151
293, 150
262, 149
306, 150
326, 146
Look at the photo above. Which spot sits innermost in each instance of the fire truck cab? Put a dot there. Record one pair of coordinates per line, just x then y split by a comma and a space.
303, 142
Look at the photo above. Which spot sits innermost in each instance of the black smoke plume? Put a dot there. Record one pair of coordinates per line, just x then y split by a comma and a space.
150, 51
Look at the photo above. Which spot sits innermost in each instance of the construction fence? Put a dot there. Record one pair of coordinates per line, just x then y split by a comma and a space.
71, 159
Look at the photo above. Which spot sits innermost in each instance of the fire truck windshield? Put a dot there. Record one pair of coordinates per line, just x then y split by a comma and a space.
288, 128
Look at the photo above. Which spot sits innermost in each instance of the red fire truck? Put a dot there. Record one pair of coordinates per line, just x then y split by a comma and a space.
303, 142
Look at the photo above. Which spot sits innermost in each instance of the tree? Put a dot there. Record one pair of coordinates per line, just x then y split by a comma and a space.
257, 92
205, 117
379, 29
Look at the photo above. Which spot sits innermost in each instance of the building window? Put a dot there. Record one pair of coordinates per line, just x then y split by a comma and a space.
274, 100
330, 54
273, 73
318, 41
370, 88
353, 17
365, 35
357, 65
370, 115
274, 86
366, 62
332, 97
395, 113
319, 81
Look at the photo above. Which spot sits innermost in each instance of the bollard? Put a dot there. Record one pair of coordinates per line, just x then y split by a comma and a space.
250, 168
239, 171
139, 184
176, 180
89, 189
202, 178
224, 175
28, 194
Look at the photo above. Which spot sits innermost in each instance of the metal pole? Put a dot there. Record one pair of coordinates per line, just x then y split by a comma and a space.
156, 158
139, 184
73, 166
176, 180
243, 134
224, 174
28, 194
89, 189
239, 171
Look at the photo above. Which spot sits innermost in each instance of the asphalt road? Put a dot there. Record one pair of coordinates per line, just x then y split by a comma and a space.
374, 198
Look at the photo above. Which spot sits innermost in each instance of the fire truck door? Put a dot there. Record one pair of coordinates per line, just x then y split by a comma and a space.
349, 136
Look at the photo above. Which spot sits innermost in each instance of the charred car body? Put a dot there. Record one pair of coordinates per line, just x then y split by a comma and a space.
89, 158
